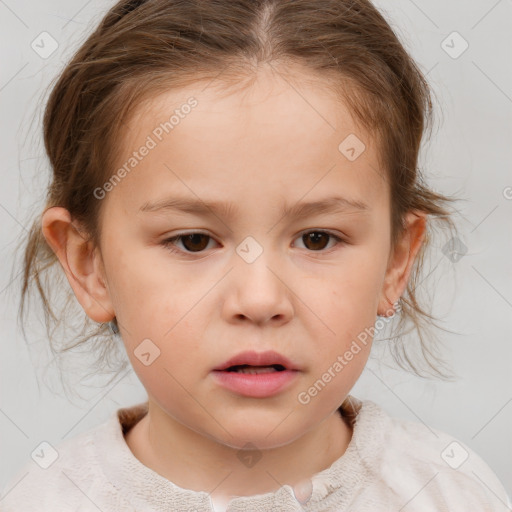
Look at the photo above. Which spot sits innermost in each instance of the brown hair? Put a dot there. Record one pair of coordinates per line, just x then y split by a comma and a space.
142, 48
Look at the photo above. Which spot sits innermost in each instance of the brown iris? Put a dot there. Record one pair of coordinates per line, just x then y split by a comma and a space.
195, 241
318, 239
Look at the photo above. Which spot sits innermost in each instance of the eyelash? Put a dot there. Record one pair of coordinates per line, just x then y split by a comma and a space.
169, 243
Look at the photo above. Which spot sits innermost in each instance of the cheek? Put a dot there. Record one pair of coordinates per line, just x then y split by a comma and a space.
170, 384
164, 306
348, 296
146, 293
164, 347
342, 314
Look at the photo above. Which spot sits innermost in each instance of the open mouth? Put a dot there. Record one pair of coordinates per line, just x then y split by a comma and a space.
245, 368
256, 380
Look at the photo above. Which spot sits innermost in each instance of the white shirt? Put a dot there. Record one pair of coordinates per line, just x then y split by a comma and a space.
389, 465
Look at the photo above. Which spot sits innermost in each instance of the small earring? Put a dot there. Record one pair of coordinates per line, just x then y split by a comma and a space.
392, 304
113, 326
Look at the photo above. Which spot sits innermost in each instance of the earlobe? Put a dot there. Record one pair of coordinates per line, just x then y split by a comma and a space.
402, 260
80, 261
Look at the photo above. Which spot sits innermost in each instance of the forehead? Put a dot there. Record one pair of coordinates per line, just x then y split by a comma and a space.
275, 131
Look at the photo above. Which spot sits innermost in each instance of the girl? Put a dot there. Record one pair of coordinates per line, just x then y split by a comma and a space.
236, 195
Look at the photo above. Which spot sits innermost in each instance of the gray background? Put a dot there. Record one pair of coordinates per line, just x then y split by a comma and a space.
470, 155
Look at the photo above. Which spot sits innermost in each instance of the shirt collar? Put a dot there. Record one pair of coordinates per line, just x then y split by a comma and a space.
336, 485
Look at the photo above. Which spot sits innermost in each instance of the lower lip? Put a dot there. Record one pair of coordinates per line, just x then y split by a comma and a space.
259, 385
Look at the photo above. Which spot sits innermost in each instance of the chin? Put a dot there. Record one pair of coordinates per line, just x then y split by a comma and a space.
260, 436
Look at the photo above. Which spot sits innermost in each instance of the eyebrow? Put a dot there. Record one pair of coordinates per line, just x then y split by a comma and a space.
334, 204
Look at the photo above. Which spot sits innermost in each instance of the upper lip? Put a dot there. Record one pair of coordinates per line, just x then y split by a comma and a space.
253, 358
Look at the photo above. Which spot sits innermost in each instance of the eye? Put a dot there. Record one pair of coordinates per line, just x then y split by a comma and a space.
317, 240
197, 242
192, 242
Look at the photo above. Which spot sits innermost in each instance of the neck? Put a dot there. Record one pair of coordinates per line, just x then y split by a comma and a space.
193, 461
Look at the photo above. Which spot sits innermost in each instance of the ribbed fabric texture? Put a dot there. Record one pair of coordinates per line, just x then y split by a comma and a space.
390, 465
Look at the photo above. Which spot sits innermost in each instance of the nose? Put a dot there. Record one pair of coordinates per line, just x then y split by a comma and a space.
257, 292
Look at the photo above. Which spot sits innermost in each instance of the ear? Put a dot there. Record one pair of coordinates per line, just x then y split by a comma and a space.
81, 262
401, 260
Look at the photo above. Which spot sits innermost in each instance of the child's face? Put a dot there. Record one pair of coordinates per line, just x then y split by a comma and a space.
257, 150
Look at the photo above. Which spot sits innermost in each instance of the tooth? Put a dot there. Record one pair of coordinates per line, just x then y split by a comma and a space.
256, 370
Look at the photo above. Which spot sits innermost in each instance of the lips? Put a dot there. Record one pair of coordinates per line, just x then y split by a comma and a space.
252, 359
257, 374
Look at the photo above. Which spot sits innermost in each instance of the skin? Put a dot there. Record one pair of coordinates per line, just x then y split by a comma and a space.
260, 148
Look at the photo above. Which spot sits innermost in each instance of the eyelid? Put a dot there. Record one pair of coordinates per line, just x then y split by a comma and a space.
339, 238
169, 244
334, 234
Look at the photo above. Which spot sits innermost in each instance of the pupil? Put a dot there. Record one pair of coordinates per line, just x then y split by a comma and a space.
313, 237
198, 241
191, 241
